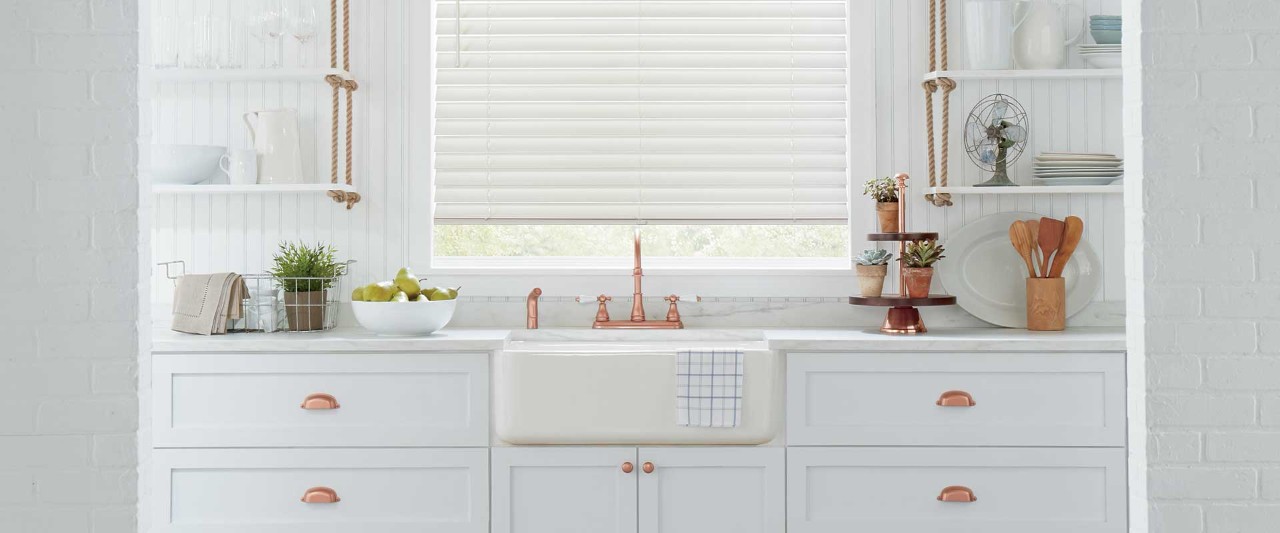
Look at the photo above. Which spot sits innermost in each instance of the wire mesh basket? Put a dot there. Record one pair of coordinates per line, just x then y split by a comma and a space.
281, 304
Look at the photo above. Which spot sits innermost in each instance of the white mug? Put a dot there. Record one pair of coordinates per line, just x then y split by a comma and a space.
240, 166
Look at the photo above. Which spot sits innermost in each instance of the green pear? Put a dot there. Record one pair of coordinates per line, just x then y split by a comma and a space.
379, 292
408, 282
400, 297
357, 295
442, 293
427, 292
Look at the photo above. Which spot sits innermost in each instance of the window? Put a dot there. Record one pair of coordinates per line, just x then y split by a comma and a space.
720, 126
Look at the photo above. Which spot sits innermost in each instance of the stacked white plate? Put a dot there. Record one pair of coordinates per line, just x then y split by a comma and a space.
1101, 55
1065, 168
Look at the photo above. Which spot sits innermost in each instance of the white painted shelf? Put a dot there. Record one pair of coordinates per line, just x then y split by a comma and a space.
1031, 189
251, 189
239, 75
1055, 74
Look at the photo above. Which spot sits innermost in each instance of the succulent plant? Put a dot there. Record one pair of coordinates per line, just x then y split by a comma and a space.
881, 189
922, 254
873, 257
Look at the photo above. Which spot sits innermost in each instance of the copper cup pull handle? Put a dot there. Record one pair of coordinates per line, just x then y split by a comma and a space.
320, 495
956, 398
320, 402
647, 467
957, 493
627, 467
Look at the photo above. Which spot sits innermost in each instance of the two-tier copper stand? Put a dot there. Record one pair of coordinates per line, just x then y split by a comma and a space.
903, 316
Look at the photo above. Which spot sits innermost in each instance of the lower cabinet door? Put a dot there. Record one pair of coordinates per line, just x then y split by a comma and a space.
321, 491
712, 490
564, 490
957, 490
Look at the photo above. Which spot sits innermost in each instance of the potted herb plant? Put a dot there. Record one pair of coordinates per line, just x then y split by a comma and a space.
305, 274
885, 192
872, 266
917, 266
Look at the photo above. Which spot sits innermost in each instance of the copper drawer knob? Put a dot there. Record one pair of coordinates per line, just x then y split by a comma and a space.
320, 402
647, 467
320, 495
956, 398
627, 467
957, 493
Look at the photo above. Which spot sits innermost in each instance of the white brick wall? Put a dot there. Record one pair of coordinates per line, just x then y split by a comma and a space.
68, 318
1204, 136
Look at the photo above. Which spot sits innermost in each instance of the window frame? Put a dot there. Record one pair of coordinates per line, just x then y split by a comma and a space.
766, 278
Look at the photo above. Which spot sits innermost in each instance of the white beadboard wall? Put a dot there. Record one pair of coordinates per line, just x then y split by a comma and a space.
240, 232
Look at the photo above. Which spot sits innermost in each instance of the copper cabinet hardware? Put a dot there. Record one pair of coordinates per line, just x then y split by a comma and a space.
957, 493
647, 467
320, 402
956, 398
627, 467
320, 495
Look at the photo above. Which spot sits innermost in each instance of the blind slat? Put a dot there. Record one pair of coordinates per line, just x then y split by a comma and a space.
617, 111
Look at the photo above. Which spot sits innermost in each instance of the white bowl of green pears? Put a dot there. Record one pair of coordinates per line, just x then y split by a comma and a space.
402, 307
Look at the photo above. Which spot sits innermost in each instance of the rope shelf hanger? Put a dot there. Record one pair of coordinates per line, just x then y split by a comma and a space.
938, 163
340, 84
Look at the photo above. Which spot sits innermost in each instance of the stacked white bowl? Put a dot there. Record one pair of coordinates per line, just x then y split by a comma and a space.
1068, 168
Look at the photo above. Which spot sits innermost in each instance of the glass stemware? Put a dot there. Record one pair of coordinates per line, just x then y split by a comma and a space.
302, 27
268, 28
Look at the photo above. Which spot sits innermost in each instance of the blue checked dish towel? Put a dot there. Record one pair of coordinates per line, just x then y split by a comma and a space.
709, 388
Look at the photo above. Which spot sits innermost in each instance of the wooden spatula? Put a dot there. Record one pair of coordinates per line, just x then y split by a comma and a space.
1033, 227
1070, 239
1050, 238
1020, 237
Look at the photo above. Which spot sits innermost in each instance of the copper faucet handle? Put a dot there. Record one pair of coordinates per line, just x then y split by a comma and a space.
673, 312
602, 314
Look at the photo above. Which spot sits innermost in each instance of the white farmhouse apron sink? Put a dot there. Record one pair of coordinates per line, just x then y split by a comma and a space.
622, 392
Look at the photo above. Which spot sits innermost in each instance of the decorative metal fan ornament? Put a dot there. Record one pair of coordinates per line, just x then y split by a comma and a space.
995, 136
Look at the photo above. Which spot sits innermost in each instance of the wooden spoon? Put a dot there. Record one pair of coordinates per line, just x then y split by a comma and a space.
1033, 226
1050, 238
1020, 237
1070, 239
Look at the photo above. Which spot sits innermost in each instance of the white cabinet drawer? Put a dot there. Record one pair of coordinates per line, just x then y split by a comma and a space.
1017, 399
352, 400
378, 491
1015, 490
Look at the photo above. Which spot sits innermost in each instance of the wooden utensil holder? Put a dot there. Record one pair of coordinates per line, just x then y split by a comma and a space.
1046, 304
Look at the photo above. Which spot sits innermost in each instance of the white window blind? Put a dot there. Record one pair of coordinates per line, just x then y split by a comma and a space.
625, 111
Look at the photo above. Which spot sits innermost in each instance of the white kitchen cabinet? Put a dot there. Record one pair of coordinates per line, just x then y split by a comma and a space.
713, 490
607, 490
956, 399
319, 400
321, 491
561, 490
986, 490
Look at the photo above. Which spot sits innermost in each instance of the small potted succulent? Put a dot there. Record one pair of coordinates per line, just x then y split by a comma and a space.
885, 192
917, 266
305, 274
872, 266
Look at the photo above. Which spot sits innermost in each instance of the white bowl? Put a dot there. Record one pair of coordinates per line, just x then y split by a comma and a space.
1104, 60
184, 164
404, 319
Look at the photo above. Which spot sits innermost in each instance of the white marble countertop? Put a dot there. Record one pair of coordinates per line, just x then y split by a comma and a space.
791, 340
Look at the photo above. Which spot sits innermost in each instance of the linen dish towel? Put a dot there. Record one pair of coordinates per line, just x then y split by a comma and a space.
203, 303
709, 388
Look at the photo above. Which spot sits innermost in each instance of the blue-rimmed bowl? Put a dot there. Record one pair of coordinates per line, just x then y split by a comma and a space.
1106, 36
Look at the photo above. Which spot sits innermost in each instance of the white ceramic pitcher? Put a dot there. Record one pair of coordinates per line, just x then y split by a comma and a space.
275, 137
1040, 38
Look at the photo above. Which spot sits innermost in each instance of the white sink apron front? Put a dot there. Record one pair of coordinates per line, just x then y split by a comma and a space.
622, 393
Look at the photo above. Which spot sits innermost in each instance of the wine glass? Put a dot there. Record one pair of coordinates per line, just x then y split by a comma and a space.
268, 28
302, 27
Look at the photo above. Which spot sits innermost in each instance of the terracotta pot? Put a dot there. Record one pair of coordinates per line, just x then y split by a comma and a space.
871, 280
306, 310
1046, 304
887, 214
918, 281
